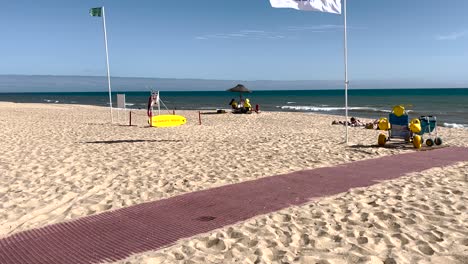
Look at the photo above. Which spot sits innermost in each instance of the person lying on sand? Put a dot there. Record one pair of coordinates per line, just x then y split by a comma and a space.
353, 122
357, 123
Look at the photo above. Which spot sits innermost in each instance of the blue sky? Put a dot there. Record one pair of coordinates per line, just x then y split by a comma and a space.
238, 39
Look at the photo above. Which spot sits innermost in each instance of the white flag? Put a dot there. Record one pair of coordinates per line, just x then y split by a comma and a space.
329, 6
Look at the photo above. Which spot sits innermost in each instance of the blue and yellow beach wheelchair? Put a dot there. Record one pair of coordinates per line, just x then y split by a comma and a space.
398, 126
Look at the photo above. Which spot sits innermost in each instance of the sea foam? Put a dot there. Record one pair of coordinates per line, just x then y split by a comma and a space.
329, 108
51, 101
455, 125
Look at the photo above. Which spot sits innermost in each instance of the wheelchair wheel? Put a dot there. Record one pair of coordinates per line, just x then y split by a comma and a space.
430, 142
382, 140
417, 142
438, 141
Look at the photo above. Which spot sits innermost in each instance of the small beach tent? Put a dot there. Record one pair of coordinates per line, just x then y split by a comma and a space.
239, 89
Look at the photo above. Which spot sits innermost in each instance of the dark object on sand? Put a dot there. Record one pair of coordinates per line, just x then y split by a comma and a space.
218, 111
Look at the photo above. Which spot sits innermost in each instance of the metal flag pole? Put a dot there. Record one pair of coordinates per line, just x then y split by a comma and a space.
107, 61
159, 104
346, 68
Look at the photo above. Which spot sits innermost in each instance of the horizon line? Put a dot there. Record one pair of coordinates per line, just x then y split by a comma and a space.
259, 90
235, 80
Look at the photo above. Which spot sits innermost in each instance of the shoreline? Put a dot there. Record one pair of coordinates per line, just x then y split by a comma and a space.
228, 110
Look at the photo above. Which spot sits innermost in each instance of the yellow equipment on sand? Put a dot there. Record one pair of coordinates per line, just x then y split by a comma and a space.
417, 141
167, 120
382, 140
399, 126
415, 125
398, 110
384, 124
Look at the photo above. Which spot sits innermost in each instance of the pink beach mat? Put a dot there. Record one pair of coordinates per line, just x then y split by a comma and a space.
115, 235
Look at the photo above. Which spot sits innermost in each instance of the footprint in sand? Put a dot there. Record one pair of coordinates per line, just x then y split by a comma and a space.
362, 240
431, 238
216, 244
426, 249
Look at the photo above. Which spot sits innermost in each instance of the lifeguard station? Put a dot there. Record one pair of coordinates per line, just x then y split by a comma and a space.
398, 126
162, 120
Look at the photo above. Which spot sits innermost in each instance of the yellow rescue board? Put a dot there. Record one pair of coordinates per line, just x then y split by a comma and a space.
167, 120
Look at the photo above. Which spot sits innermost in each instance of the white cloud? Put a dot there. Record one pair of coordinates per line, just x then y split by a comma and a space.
276, 37
452, 36
318, 28
321, 28
237, 35
280, 34
246, 33
252, 31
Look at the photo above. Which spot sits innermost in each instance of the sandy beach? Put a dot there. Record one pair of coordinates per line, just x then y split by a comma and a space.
62, 162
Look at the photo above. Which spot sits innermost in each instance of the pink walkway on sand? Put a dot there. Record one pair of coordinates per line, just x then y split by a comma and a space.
117, 234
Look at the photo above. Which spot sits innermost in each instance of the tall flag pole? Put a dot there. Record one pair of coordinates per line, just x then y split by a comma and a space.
328, 6
99, 12
346, 67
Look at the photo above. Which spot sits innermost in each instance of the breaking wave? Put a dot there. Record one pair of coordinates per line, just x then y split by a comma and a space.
51, 101
455, 125
330, 109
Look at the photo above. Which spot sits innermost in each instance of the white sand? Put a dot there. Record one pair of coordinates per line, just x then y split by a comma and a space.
61, 162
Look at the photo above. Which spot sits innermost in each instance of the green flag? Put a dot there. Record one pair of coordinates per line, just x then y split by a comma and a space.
97, 11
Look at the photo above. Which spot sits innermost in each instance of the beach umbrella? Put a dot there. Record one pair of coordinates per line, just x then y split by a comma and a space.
239, 89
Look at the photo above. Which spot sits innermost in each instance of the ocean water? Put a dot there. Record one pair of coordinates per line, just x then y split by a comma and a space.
450, 106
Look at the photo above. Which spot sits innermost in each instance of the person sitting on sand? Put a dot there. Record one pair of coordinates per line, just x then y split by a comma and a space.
233, 104
247, 106
241, 104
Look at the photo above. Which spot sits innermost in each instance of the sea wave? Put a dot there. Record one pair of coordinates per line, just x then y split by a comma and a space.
51, 101
455, 125
290, 102
209, 107
330, 109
